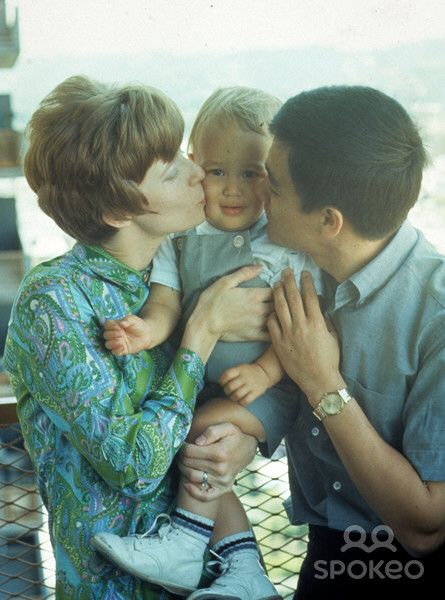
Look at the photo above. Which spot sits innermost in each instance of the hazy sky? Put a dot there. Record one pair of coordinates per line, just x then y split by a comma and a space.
50, 27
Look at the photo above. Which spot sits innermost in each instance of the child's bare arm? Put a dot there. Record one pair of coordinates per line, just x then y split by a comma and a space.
157, 320
223, 410
246, 382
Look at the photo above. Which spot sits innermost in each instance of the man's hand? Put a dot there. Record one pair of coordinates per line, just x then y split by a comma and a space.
222, 451
127, 336
245, 383
304, 341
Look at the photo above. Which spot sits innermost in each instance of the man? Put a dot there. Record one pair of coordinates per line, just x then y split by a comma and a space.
367, 451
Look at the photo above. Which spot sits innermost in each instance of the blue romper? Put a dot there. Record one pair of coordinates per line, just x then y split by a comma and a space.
193, 260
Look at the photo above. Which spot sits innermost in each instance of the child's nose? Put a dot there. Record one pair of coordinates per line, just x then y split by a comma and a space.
232, 187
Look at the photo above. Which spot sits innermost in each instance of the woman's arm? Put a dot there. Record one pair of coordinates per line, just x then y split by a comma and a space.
127, 416
223, 309
56, 358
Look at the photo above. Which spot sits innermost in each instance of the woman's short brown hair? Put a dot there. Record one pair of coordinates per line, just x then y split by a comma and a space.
90, 144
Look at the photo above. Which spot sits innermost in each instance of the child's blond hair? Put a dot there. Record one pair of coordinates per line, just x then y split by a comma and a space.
249, 108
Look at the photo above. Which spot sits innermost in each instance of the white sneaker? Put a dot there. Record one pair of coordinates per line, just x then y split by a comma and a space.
243, 578
170, 558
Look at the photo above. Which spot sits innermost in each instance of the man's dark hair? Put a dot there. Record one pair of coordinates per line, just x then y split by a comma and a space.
356, 149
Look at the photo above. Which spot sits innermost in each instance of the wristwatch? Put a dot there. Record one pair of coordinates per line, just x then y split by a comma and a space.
332, 403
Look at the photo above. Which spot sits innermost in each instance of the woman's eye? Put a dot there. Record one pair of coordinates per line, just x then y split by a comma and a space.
250, 174
216, 172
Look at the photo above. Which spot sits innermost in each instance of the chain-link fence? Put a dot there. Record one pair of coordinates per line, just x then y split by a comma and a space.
27, 569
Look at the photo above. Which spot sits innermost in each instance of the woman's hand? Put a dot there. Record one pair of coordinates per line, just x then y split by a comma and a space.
224, 308
222, 451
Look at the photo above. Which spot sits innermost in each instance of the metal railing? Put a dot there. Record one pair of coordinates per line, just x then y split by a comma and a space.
27, 569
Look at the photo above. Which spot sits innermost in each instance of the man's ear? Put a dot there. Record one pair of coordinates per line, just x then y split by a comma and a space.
118, 223
332, 221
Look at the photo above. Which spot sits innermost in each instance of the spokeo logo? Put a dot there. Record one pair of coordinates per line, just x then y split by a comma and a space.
360, 569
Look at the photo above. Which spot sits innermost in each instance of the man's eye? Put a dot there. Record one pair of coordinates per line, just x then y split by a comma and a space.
216, 172
250, 174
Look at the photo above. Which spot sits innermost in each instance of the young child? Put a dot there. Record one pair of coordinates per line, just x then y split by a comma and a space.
230, 141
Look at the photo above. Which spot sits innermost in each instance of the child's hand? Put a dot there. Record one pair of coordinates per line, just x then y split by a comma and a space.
127, 336
245, 383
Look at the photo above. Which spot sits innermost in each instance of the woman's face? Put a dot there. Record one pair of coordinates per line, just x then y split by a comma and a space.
175, 196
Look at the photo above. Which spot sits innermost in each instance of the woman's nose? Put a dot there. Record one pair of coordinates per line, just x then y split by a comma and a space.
198, 173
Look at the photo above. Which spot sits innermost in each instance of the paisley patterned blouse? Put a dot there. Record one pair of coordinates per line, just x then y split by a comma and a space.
101, 431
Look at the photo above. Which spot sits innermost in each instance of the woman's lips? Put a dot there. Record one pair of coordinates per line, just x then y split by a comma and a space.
232, 211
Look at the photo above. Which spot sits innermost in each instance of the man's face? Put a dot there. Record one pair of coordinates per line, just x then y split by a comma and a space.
288, 225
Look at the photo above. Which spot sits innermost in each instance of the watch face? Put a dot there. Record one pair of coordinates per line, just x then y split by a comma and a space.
332, 404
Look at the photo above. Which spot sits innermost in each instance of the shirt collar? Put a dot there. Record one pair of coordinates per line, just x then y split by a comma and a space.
108, 267
377, 273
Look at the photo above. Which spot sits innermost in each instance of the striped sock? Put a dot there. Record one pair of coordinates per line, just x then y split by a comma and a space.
194, 524
238, 542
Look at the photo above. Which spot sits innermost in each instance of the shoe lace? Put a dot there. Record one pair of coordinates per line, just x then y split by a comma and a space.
216, 566
163, 530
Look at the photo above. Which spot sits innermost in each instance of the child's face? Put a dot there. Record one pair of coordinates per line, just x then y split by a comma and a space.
235, 184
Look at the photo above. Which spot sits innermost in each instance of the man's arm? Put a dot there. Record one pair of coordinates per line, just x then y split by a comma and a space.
414, 509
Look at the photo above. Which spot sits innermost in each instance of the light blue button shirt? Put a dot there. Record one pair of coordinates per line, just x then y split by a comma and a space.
390, 317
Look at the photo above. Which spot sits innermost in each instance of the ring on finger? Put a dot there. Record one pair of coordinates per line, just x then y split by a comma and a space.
205, 480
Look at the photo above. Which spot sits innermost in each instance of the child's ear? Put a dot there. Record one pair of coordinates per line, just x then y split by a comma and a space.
117, 223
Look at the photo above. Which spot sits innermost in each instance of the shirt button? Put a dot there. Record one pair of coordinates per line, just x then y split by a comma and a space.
337, 486
179, 243
315, 431
146, 277
238, 241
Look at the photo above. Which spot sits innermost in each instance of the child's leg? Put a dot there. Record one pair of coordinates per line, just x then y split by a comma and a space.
231, 518
242, 575
217, 410
173, 558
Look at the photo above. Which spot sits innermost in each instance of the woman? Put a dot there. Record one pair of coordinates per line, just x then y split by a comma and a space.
102, 431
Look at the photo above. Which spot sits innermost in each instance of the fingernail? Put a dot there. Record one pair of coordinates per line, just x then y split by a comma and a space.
201, 440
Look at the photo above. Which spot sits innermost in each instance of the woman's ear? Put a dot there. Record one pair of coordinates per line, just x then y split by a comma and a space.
332, 221
118, 223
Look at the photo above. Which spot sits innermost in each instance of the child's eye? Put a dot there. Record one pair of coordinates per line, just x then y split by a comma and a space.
249, 174
216, 172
